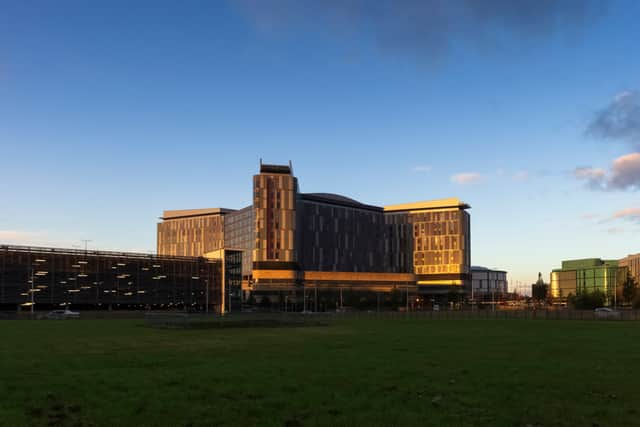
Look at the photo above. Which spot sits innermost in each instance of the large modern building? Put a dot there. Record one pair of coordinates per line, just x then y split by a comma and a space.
584, 276
293, 241
48, 278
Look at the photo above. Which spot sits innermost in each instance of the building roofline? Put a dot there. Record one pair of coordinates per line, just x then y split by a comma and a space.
41, 250
331, 199
481, 268
187, 213
428, 205
277, 169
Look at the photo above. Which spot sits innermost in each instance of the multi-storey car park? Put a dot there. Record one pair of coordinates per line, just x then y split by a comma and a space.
51, 278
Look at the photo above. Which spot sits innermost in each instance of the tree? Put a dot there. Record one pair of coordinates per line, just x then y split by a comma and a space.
539, 292
588, 301
539, 289
629, 288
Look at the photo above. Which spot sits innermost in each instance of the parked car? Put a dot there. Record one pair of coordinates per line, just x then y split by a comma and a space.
606, 313
63, 314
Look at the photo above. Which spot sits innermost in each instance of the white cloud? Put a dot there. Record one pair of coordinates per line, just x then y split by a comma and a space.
624, 174
630, 214
465, 178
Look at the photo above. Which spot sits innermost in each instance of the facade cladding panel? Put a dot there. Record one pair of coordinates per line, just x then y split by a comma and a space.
399, 242
91, 279
340, 238
440, 242
274, 203
191, 233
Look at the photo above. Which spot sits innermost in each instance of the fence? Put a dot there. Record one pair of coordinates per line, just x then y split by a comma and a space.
626, 315
564, 314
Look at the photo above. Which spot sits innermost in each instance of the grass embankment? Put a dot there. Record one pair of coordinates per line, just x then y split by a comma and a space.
353, 372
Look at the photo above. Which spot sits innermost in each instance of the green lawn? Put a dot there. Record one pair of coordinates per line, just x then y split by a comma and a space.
354, 372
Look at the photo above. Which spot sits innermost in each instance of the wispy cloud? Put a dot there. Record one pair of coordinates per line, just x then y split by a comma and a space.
590, 216
629, 214
521, 176
424, 28
620, 120
19, 237
624, 174
465, 178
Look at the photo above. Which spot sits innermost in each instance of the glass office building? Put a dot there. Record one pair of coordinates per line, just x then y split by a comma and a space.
585, 276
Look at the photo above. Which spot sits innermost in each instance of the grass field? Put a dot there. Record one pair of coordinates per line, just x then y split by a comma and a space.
354, 372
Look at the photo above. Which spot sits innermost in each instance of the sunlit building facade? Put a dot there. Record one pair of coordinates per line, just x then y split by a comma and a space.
632, 263
584, 276
292, 240
191, 232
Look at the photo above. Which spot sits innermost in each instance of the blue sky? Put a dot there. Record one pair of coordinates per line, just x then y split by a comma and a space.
111, 113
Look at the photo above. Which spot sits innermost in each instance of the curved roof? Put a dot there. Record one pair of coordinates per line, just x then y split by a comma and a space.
338, 200
336, 197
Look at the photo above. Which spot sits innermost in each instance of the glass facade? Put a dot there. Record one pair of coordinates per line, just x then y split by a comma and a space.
585, 276
240, 234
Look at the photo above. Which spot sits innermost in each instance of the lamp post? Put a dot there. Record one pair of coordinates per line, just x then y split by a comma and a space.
615, 289
32, 292
407, 306
85, 244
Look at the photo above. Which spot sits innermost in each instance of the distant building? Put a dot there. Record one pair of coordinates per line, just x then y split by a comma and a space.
586, 276
292, 241
487, 282
632, 263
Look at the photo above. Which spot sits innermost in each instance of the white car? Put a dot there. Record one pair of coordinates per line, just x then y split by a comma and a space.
606, 313
63, 314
